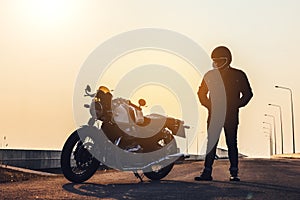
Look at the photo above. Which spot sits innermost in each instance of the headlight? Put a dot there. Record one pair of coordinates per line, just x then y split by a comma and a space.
96, 99
96, 109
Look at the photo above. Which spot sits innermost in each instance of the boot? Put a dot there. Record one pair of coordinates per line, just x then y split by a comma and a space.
234, 175
205, 176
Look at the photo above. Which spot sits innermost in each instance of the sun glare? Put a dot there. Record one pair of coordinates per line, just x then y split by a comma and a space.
47, 12
166, 104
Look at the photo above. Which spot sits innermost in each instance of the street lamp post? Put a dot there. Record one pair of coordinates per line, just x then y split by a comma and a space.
292, 111
187, 146
274, 131
270, 137
281, 128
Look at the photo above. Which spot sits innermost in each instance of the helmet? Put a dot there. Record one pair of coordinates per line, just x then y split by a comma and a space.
222, 52
104, 89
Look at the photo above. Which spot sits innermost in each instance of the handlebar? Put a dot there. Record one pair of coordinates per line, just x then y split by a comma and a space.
135, 106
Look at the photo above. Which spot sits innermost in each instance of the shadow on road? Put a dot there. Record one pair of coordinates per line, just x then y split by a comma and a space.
264, 186
157, 190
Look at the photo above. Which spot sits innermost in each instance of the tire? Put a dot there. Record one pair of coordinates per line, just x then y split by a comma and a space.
157, 175
164, 171
83, 173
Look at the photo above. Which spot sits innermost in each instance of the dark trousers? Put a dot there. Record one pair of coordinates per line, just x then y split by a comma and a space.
231, 141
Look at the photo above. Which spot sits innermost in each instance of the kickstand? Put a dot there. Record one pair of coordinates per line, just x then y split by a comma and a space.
137, 175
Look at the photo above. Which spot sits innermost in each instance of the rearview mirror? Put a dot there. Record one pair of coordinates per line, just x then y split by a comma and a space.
88, 88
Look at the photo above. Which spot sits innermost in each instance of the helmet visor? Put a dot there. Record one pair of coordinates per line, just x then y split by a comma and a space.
219, 62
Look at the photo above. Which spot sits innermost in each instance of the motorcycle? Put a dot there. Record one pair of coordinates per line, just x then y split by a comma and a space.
119, 136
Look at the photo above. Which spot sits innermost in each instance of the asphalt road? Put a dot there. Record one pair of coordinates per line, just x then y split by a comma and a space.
260, 179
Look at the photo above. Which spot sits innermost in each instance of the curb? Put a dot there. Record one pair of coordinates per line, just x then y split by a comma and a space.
29, 171
288, 156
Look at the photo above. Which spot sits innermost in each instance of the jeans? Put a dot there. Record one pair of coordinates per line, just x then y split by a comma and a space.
231, 141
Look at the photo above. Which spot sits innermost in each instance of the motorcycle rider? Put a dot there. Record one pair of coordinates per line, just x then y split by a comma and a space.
238, 94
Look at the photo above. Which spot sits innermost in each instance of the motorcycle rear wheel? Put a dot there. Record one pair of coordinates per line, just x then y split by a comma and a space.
159, 174
160, 171
85, 165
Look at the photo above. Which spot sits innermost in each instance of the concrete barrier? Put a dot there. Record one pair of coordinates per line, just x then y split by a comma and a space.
30, 159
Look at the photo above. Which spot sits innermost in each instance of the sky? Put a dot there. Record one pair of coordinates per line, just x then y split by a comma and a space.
44, 43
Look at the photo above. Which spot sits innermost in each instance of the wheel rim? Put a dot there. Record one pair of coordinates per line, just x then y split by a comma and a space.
80, 158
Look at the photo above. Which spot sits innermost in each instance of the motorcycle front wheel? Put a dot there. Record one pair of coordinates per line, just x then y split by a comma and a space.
77, 163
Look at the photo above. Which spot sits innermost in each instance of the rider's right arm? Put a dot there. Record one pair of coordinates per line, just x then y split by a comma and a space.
203, 94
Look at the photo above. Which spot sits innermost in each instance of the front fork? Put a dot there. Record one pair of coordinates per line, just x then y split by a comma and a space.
91, 121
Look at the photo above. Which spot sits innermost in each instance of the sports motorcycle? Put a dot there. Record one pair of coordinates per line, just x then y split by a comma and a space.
118, 135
